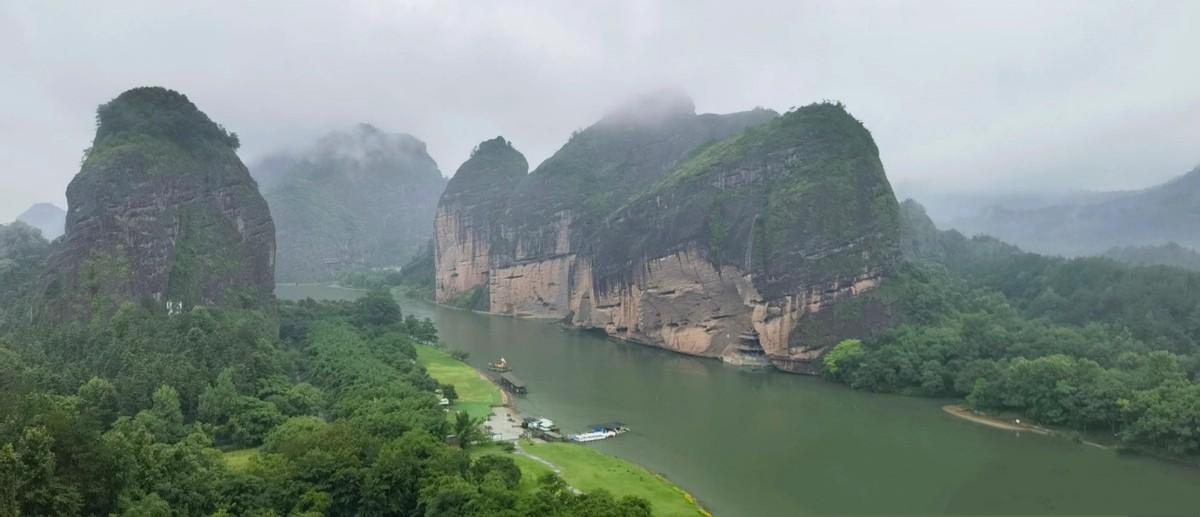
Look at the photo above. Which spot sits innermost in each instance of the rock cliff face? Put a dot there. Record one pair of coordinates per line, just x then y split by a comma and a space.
353, 199
468, 220
162, 211
740, 236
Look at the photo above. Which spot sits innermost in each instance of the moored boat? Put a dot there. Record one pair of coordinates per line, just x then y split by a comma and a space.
500, 366
592, 436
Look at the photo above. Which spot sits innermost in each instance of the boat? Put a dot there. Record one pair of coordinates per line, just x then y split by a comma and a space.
592, 436
600, 432
500, 366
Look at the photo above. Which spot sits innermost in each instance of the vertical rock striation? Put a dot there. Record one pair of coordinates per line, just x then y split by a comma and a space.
468, 220
162, 211
712, 235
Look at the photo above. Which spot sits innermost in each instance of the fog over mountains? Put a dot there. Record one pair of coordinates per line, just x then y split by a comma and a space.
1092, 223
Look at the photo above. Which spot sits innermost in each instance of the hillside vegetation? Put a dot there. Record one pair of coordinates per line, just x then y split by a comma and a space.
1085, 343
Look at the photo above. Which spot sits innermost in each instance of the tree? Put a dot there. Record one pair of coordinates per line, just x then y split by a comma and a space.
39, 489
98, 400
467, 429
146, 505
847, 351
219, 401
254, 419
449, 392
377, 308
10, 482
502, 467
164, 419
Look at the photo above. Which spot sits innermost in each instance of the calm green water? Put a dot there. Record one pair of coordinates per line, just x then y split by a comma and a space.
766, 443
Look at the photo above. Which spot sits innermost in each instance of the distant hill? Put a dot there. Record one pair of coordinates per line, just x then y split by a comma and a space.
1169, 254
1091, 225
351, 200
46, 217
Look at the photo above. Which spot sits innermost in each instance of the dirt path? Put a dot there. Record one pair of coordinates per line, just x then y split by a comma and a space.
553, 468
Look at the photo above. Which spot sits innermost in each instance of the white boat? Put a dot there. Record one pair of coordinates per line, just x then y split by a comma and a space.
592, 436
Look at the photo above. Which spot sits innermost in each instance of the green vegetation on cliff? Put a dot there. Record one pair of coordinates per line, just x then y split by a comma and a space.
801, 200
602, 166
162, 211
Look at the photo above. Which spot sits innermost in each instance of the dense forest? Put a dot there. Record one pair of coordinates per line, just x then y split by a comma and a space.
1085, 343
132, 416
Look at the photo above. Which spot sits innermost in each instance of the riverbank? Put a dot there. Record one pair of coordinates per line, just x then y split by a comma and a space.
476, 393
1015, 425
991, 421
579, 466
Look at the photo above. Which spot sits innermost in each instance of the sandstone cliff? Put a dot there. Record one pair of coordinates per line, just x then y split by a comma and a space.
747, 237
353, 199
469, 217
162, 211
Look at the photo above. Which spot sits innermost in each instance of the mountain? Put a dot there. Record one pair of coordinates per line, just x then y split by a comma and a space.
1165, 213
353, 199
162, 211
1169, 254
46, 217
683, 231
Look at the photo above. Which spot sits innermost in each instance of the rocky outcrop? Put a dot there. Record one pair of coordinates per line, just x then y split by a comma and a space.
770, 232
468, 219
354, 199
162, 211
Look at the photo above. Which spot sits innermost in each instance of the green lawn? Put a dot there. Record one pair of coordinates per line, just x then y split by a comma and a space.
237, 459
476, 395
587, 469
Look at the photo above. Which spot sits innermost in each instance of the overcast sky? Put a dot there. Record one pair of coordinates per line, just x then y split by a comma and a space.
959, 96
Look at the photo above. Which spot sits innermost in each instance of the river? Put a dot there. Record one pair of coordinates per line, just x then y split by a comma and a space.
767, 443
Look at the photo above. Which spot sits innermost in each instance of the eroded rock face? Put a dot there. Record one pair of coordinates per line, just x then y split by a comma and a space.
469, 216
773, 231
162, 211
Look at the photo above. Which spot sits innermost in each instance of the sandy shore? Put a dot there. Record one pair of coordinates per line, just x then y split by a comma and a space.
980, 418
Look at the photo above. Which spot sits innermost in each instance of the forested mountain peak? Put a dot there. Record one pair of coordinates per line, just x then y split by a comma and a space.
354, 198
162, 210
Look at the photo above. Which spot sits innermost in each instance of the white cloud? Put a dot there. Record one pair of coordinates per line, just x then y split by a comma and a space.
959, 95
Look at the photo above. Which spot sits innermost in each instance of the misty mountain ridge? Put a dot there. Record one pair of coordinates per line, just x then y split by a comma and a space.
1093, 223
47, 217
356, 198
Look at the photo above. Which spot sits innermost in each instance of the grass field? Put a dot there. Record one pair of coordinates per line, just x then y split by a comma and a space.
588, 469
476, 395
582, 467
